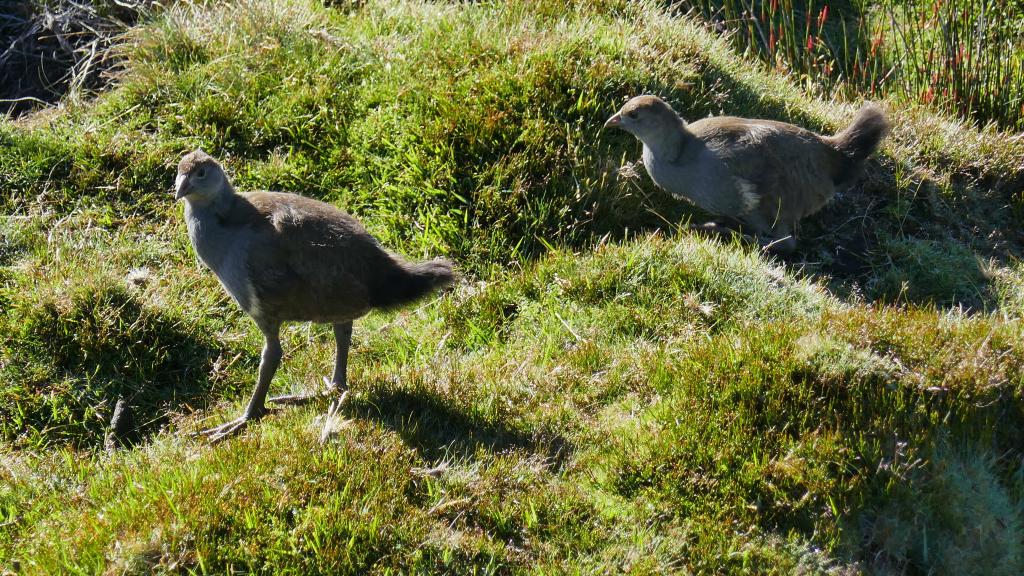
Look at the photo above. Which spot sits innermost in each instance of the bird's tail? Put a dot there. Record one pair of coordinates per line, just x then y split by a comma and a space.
407, 282
858, 141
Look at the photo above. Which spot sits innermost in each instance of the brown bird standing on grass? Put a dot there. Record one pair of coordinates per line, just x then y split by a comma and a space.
284, 257
765, 174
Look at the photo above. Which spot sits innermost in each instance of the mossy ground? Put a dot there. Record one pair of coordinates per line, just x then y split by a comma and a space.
603, 392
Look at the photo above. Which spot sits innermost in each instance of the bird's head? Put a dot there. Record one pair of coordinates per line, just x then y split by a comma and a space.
200, 177
644, 117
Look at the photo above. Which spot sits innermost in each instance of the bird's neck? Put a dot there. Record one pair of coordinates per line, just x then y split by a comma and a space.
668, 143
204, 218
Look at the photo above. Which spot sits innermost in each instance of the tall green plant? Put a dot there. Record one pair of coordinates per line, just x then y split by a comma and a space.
964, 57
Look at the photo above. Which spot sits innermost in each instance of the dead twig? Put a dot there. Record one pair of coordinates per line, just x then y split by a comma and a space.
49, 50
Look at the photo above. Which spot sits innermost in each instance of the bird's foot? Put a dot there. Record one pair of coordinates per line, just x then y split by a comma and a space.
333, 421
228, 429
330, 389
296, 399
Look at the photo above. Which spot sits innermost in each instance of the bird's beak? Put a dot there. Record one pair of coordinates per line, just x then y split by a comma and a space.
180, 186
614, 122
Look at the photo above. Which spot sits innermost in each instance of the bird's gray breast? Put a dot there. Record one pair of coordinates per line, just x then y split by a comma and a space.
666, 174
702, 180
225, 251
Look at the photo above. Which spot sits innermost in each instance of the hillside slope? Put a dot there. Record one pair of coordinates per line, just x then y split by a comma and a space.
603, 393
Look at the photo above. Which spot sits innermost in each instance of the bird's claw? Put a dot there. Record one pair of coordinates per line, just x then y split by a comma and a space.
295, 399
226, 430
300, 399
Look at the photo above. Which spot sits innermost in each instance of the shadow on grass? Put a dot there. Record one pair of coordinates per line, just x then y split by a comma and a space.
440, 430
907, 245
78, 355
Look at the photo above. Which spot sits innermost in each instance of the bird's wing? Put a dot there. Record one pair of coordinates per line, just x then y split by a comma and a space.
784, 166
306, 255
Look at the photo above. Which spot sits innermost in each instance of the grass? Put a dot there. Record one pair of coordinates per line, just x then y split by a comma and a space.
602, 393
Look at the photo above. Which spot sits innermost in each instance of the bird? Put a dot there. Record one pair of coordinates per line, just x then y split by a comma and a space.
765, 175
284, 257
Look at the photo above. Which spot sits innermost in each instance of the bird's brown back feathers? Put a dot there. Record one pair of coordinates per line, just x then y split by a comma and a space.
312, 261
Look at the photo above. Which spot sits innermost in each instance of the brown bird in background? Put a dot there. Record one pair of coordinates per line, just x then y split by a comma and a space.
766, 175
284, 257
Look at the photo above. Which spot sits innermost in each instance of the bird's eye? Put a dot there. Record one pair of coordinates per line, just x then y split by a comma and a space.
201, 173
632, 114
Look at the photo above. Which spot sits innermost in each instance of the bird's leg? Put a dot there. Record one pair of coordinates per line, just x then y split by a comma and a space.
343, 338
339, 382
269, 361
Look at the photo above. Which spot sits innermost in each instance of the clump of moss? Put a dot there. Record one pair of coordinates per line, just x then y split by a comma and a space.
948, 514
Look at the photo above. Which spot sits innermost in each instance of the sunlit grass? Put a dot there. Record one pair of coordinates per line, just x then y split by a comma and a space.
602, 392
